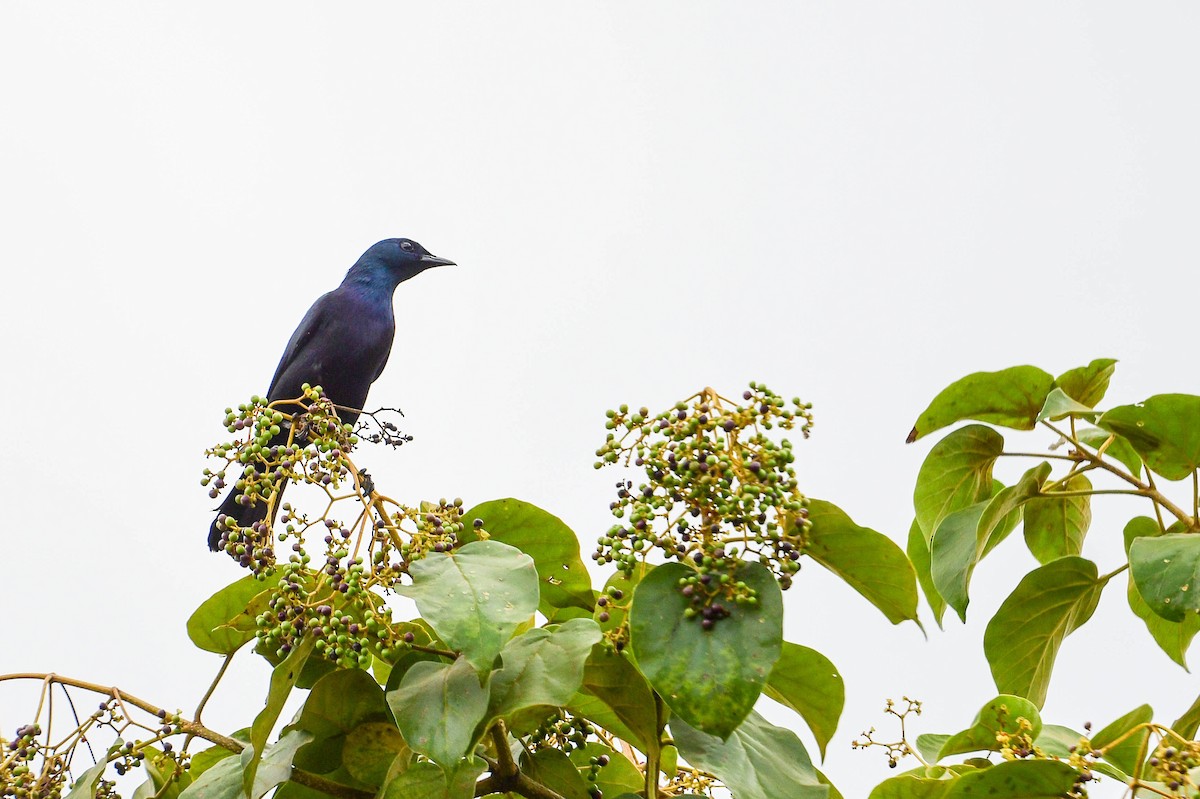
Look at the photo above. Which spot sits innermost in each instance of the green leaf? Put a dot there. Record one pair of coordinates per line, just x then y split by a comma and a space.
966, 536
222, 781
1088, 384
758, 761
1172, 637
993, 526
563, 579
476, 597
1059, 406
1118, 448
930, 744
1187, 724
911, 786
338, 704
1057, 741
276, 764
165, 782
1010, 398
424, 780
1055, 526
1016, 779
956, 473
1164, 430
371, 749
552, 768
438, 707
226, 620
1002, 714
613, 680
808, 682
543, 666
918, 553
283, 679
85, 786
619, 776
1023, 638
953, 554
1125, 754
711, 678
870, 562
1166, 570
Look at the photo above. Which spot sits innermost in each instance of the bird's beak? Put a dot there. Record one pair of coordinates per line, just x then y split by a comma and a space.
432, 260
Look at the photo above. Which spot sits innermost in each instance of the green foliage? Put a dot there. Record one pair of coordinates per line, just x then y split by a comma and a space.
518, 678
709, 677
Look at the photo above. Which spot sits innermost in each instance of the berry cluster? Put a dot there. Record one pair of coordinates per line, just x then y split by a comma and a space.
717, 491
1172, 764
273, 448
18, 778
595, 763
563, 731
330, 592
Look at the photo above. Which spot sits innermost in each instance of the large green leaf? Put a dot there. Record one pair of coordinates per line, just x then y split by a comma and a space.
711, 678
809, 683
964, 538
424, 780
1016, 779
276, 764
370, 751
222, 781
1124, 755
339, 704
1165, 431
918, 553
610, 678
476, 597
562, 577
1002, 714
1172, 637
1166, 570
869, 561
1087, 384
911, 786
994, 524
1010, 398
953, 554
1023, 638
1115, 447
543, 666
552, 768
956, 473
758, 761
227, 619
619, 776
438, 707
1057, 740
283, 679
1055, 526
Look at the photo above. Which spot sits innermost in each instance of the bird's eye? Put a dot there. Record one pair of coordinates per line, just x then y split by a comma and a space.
406, 246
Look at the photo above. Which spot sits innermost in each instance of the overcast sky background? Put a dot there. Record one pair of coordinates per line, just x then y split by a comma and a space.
854, 202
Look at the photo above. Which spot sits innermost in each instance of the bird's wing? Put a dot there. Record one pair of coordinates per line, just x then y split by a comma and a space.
314, 321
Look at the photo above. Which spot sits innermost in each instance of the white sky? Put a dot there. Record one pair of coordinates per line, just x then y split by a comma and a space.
853, 202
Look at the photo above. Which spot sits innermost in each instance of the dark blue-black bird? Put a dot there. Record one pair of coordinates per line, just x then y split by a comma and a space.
342, 345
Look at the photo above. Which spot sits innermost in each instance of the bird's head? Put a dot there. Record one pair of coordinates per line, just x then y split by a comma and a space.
396, 260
